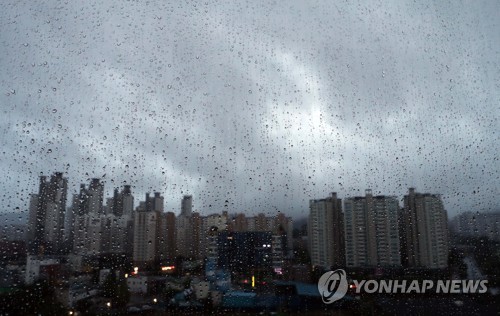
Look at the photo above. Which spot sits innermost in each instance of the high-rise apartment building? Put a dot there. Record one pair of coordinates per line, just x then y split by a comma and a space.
95, 197
477, 224
238, 223
93, 231
424, 231
372, 231
169, 235
188, 227
209, 224
187, 205
147, 225
150, 246
326, 232
47, 213
245, 253
122, 202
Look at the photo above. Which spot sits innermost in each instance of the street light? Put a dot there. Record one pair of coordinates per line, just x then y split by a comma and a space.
155, 300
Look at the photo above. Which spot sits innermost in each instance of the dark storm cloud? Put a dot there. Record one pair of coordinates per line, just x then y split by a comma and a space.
254, 107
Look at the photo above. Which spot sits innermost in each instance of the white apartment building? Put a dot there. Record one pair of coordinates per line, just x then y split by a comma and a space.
326, 232
372, 231
424, 231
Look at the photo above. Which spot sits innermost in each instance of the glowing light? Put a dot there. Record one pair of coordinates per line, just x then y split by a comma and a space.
253, 281
167, 268
126, 275
136, 270
155, 300
108, 304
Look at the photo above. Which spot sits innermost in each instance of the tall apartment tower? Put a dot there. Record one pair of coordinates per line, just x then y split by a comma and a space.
122, 202
424, 231
371, 231
46, 218
149, 246
95, 197
187, 227
169, 235
187, 205
326, 232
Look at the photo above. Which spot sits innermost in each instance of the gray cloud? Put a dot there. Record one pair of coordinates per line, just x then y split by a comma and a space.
253, 107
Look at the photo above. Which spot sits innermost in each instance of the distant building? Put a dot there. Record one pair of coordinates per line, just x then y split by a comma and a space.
184, 239
238, 223
122, 202
424, 231
148, 247
217, 222
168, 235
88, 203
115, 234
372, 231
245, 252
94, 197
87, 238
40, 268
102, 234
95, 232
477, 224
326, 232
187, 205
187, 229
45, 232
277, 225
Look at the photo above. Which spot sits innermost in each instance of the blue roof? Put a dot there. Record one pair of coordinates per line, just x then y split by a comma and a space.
241, 294
307, 289
303, 289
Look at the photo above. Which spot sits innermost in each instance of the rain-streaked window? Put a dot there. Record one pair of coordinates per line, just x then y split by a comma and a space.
249, 157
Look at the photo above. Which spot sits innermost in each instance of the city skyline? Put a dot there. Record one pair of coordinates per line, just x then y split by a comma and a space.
362, 231
184, 201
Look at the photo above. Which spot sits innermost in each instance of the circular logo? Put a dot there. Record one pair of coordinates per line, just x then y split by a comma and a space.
333, 286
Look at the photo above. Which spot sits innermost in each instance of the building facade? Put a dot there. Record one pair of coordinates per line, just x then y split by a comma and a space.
326, 232
150, 246
372, 231
424, 231
47, 211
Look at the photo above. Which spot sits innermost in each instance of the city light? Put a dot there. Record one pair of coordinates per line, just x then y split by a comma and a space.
167, 268
253, 281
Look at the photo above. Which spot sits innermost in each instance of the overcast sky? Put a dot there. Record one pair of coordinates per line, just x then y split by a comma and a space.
254, 107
